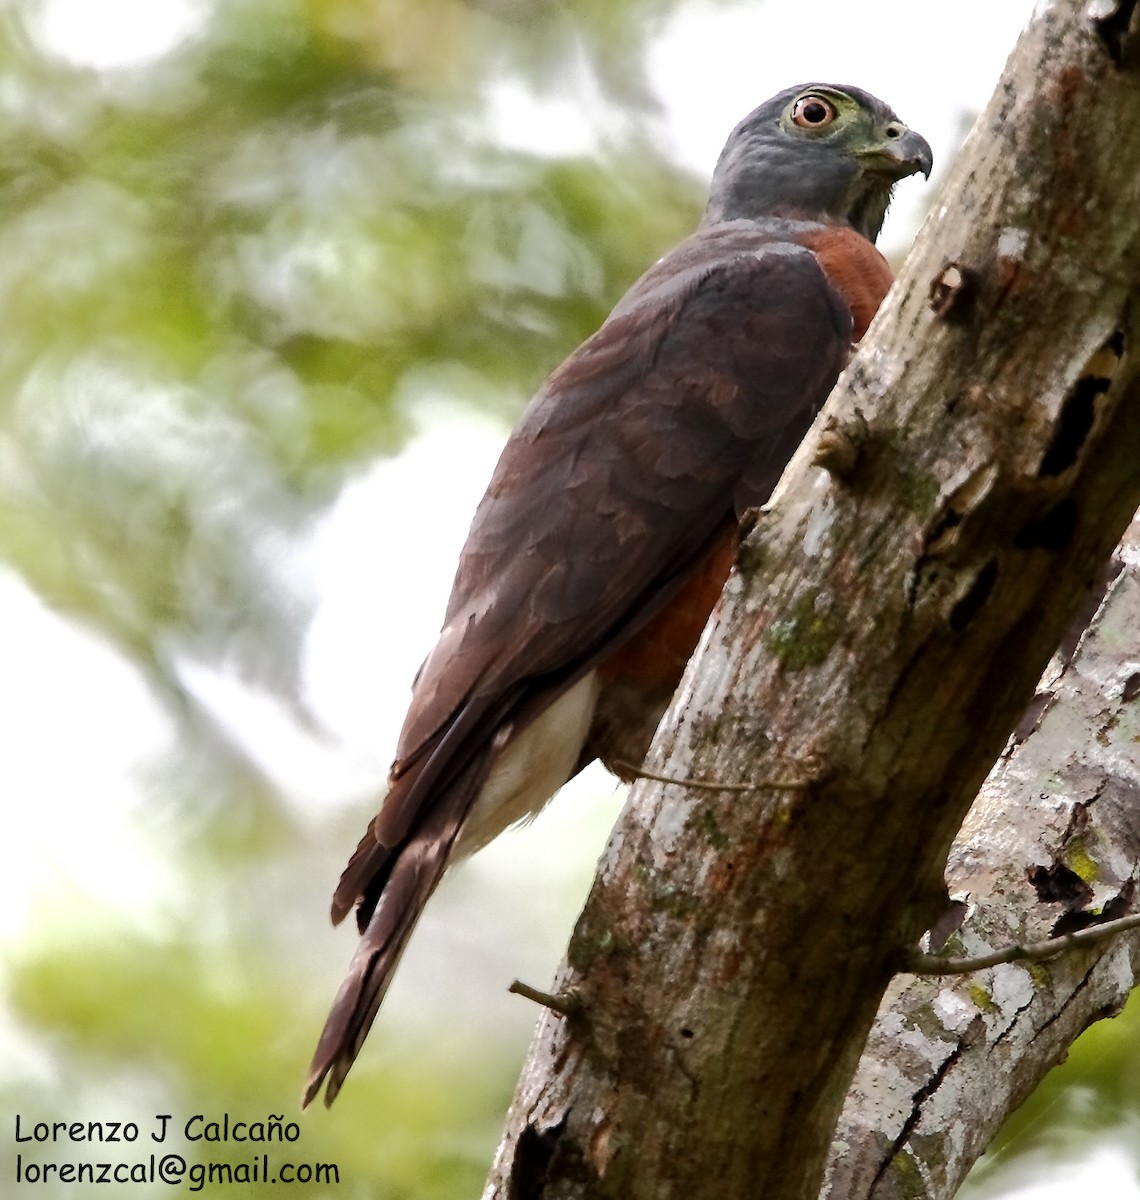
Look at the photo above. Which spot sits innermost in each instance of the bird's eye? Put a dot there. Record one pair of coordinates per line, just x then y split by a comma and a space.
813, 112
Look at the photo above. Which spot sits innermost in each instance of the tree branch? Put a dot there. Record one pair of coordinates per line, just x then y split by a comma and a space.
566, 1004
918, 963
891, 623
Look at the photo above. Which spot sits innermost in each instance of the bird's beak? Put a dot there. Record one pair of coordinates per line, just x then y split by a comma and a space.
901, 153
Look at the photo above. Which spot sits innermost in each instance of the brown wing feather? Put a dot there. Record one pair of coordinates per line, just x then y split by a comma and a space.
622, 469
622, 473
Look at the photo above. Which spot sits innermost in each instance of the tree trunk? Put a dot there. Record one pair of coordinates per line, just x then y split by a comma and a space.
883, 632
1051, 844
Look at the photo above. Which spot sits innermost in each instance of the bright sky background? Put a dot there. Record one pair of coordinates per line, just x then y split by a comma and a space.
70, 772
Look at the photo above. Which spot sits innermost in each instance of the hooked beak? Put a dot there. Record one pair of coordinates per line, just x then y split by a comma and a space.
902, 152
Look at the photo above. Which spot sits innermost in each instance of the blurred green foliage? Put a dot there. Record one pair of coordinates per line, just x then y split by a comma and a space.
228, 276
193, 1029
1091, 1098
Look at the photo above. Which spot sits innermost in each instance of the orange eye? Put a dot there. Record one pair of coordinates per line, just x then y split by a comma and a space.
813, 112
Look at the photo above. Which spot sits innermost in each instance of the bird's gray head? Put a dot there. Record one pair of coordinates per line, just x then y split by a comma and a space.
822, 151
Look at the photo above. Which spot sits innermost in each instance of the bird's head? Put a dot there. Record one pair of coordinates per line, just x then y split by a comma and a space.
821, 151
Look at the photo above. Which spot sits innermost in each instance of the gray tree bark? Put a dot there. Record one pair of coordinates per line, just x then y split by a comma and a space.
1051, 844
884, 630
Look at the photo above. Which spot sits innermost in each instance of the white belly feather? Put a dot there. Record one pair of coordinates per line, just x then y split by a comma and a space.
532, 767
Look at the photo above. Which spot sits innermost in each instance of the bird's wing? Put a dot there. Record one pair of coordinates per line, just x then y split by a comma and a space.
623, 470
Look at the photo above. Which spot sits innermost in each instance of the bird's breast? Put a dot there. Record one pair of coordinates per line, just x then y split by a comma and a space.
638, 680
857, 271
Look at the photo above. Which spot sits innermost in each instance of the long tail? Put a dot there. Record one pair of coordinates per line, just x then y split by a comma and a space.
393, 886
413, 879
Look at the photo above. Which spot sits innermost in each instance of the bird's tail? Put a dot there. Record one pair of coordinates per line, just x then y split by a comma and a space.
412, 879
390, 887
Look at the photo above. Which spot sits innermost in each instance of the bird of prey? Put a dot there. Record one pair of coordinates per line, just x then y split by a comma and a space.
611, 520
